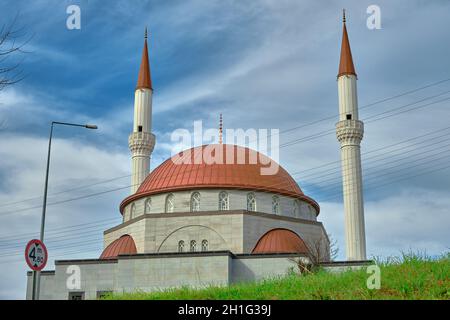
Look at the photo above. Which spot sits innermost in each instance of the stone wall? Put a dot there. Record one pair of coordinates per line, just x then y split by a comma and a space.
151, 272
256, 268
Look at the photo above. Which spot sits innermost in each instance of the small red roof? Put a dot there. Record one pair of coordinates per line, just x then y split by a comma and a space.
194, 169
280, 241
346, 64
123, 245
144, 78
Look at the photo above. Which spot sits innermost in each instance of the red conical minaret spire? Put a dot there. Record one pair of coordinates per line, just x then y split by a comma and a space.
144, 78
346, 64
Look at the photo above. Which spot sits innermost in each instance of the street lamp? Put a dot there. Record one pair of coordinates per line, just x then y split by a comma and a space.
37, 274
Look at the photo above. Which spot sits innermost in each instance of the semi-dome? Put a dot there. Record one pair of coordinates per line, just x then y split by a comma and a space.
280, 241
195, 168
124, 245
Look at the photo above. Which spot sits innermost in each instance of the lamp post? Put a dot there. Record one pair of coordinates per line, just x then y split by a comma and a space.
37, 274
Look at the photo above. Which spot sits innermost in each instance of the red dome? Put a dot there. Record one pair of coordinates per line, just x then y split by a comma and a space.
123, 245
280, 241
195, 169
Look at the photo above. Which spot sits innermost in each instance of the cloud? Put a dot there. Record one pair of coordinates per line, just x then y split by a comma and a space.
76, 166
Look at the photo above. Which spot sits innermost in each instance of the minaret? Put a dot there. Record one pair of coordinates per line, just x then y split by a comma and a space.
349, 131
142, 141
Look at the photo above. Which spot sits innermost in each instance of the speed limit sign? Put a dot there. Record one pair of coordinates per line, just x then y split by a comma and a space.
36, 255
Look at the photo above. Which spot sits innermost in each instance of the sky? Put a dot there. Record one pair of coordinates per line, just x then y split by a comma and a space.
262, 64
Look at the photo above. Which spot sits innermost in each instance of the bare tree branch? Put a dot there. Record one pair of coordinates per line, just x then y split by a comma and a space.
10, 45
321, 249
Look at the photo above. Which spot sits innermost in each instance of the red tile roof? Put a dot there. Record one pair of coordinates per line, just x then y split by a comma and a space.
123, 245
280, 241
193, 169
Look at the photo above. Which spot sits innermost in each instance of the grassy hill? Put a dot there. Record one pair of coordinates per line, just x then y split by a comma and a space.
407, 277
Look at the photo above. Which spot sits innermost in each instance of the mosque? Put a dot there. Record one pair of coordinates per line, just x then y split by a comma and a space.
190, 222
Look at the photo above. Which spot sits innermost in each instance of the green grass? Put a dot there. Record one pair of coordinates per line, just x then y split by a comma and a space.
412, 276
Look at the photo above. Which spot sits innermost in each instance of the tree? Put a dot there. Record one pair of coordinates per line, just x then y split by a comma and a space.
323, 249
10, 46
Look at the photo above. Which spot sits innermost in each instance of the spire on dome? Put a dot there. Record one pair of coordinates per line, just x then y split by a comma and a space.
220, 129
346, 64
144, 78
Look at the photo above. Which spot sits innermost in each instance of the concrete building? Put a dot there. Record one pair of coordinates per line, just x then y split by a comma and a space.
199, 219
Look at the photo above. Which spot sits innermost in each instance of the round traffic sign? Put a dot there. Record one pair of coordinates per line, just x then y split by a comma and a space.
36, 255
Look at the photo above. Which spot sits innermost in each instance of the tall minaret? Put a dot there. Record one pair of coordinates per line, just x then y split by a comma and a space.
349, 131
142, 141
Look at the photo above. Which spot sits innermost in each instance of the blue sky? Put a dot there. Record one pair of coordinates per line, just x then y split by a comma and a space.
263, 64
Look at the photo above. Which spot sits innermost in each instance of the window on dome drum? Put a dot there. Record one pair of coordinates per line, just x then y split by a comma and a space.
193, 245
181, 246
275, 205
296, 209
148, 205
132, 211
223, 201
170, 203
251, 202
195, 202
205, 245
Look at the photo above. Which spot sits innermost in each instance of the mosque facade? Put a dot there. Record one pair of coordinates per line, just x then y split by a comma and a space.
193, 222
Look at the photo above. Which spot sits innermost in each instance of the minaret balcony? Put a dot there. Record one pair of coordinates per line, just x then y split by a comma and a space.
349, 132
141, 143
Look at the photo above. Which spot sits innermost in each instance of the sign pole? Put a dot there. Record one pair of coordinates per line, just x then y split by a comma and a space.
37, 281
33, 293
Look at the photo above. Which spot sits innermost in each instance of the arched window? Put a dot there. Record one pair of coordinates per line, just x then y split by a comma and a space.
204, 245
132, 211
296, 209
223, 201
193, 245
170, 203
275, 205
180, 246
251, 202
195, 202
148, 205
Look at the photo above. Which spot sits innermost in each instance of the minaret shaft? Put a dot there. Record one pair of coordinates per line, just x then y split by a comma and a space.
348, 99
349, 132
142, 110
